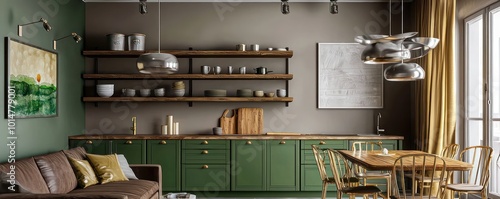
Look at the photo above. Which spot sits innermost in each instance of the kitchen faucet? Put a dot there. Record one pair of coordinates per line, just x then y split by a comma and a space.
379, 130
134, 125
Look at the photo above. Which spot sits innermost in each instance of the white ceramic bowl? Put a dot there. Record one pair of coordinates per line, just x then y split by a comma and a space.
178, 92
105, 90
105, 93
145, 92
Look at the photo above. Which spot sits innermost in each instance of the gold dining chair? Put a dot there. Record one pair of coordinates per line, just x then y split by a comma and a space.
339, 167
403, 176
449, 151
326, 180
365, 175
474, 180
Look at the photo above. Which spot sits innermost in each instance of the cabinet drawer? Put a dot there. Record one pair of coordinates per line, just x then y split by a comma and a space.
205, 156
205, 177
332, 144
205, 144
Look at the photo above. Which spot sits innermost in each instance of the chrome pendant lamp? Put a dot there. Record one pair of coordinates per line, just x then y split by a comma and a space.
151, 63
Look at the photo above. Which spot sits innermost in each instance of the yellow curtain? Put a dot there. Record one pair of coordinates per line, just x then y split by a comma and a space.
435, 96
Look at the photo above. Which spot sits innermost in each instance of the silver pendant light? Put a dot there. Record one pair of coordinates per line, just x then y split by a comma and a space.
151, 63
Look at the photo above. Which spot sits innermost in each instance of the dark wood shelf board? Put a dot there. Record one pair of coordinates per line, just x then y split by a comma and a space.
188, 99
191, 76
193, 53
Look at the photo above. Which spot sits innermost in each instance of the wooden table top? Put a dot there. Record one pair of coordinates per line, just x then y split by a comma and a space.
375, 160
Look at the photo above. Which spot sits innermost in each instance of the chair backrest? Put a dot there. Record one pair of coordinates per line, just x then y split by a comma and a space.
320, 162
480, 158
366, 146
420, 164
450, 151
340, 169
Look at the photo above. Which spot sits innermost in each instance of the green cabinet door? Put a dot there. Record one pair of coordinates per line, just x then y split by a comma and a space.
283, 165
167, 154
92, 146
311, 180
205, 177
248, 169
133, 150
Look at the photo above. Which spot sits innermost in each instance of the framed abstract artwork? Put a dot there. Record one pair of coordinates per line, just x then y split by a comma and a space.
344, 81
31, 80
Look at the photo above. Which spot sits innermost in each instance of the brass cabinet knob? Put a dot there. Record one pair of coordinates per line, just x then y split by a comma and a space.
204, 167
128, 142
163, 142
322, 142
249, 142
204, 142
204, 152
282, 142
88, 142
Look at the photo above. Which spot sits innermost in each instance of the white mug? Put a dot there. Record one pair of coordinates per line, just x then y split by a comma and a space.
217, 70
205, 69
281, 93
229, 70
243, 70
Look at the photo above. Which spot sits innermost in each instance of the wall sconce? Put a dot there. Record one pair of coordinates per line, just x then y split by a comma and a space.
334, 7
75, 36
42, 20
143, 9
285, 8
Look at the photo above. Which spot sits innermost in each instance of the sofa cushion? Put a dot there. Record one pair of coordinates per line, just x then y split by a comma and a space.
9, 184
56, 172
129, 173
134, 189
27, 175
107, 168
78, 153
84, 173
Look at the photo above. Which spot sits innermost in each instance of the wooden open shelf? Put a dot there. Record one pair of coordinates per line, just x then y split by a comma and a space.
192, 53
188, 99
190, 76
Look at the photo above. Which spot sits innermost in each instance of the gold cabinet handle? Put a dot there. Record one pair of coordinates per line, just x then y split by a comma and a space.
204, 152
204, 167
204, 142
163, 142
282, 142
322, 142
88, 142
249, 142
128, 142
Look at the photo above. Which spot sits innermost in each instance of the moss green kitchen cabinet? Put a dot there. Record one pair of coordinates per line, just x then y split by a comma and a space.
248, 169
92, 146
205, 165
167, 154
283, 165
133, 150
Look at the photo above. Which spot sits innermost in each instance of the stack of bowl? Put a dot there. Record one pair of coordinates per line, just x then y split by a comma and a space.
105, 90
178, 89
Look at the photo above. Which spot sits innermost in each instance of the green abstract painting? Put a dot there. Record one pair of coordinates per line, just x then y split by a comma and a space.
32, 78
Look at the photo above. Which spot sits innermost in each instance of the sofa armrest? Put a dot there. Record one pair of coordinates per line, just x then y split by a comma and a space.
150, 172
63, 196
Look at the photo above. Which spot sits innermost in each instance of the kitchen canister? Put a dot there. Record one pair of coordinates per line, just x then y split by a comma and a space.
116, 41
136, 41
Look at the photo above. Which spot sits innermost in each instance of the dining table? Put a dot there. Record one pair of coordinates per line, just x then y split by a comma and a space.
376, 160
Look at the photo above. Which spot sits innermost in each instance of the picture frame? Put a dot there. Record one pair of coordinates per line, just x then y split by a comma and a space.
31, 73
344, 81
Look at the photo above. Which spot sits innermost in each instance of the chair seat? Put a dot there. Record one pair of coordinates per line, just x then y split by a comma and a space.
361, 190
464, 187
346, 180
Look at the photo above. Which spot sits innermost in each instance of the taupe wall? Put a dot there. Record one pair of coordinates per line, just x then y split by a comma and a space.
198, 25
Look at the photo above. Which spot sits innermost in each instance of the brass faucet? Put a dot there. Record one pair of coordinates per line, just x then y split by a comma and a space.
134, 125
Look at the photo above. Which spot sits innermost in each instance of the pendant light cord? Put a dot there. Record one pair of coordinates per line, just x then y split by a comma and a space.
390, 17
402, 31
159, 26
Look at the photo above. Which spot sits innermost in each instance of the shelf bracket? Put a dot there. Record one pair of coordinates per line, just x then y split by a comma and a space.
287, 86
190, 81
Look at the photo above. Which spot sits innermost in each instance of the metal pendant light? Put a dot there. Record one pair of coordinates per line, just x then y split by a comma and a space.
151, 63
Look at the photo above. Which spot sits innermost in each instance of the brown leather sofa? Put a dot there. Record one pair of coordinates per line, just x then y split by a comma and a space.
51, 176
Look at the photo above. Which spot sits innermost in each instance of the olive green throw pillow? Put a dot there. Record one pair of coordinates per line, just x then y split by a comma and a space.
84, 173
107, 168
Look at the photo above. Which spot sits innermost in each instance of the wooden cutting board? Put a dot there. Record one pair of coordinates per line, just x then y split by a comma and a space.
228, 124
250, 121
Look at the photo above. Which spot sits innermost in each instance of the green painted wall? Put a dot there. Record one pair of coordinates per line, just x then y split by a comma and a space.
42, 135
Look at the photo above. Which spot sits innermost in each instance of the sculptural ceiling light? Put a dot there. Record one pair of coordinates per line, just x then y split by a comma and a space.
150, 63
396, 50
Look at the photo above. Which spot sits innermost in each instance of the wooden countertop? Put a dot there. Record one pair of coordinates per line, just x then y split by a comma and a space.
236, 137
